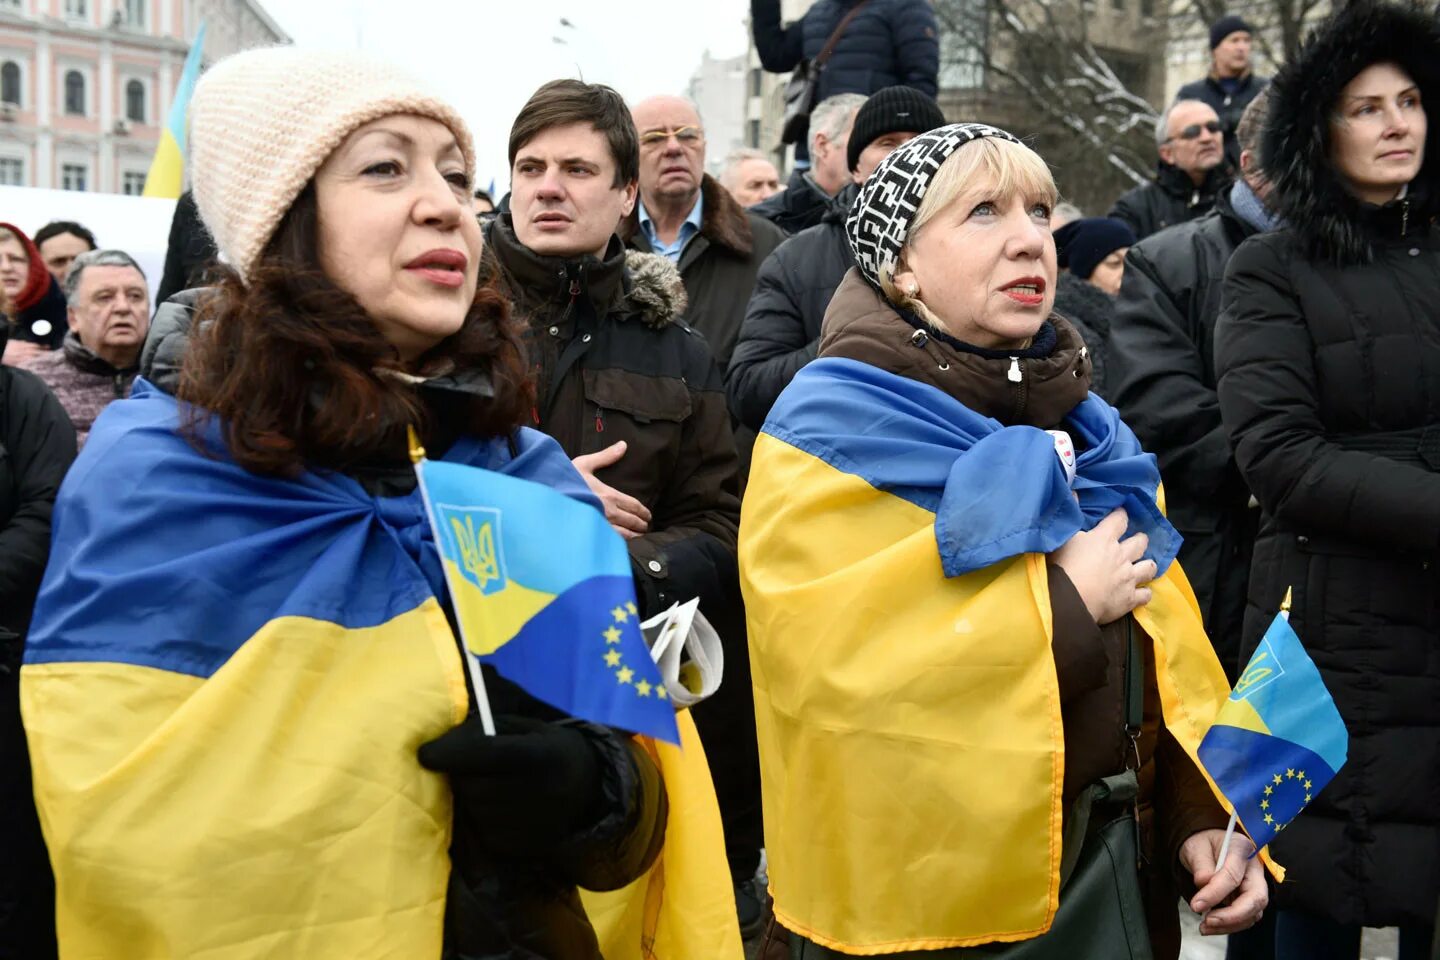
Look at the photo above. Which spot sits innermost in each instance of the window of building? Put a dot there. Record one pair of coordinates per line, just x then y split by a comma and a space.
135, 13
752, 135
77, 8
135, 101
10, 5
75, 93
1147, 8
74, 176
756, 76
12, 172
10, 82
1118, 4
132, 183
964, 44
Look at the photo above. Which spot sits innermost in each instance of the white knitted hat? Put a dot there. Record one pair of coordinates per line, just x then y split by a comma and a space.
263, 121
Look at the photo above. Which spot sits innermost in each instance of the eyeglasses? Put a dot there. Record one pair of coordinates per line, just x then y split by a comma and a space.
688, 136
1193, 131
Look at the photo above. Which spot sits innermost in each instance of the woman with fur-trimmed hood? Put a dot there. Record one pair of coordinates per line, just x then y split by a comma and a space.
1328, 355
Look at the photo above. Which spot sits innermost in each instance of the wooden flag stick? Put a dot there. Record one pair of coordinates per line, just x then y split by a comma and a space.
1225, 847
477, 676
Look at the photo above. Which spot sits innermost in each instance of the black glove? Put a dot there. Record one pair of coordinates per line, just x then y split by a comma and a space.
525, 790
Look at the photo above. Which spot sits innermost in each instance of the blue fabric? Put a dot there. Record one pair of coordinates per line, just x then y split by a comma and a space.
688, 229
169, 558
996, 491
1250, 208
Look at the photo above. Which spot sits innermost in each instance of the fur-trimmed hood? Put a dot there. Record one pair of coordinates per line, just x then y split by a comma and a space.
656, 289
1330, 222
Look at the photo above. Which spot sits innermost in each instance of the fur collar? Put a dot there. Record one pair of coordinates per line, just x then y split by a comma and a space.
724, 223
1330, 223
655, 288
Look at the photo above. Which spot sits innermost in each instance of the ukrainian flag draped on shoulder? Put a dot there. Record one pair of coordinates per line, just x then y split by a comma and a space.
892, 556
225, 685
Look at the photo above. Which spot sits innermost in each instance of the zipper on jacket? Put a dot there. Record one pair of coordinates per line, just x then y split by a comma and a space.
119, 386
1404, 216
599, 419
1016, 375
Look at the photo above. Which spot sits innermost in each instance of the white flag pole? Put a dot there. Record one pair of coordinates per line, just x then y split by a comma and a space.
477, 676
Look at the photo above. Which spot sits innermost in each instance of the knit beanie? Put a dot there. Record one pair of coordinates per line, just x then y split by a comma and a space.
880, 218
891, 110
1082, 244
1225, 26
263, 121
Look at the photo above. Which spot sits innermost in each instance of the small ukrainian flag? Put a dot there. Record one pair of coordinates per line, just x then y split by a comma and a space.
1279, 739
543, 591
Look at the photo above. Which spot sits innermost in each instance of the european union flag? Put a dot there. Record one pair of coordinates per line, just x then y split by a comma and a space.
542, 590
1278, 740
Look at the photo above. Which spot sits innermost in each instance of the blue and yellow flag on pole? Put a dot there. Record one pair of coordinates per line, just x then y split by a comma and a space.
1279, 739
543, 591
167, 170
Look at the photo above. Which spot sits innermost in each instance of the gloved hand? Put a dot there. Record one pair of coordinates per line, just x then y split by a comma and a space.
523, 791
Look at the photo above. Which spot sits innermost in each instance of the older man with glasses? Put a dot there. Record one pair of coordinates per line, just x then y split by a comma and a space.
1191, 142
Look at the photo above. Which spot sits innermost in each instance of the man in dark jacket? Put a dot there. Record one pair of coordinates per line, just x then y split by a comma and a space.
782, 322
1231, 84
807, 195
684, 214
109, 312
1162, 378
889, 42
1191, 172
632, 393
37, 445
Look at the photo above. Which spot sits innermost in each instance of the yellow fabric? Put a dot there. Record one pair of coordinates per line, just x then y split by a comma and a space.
499, 616
274, 809
911, 745
166, 177
683, 908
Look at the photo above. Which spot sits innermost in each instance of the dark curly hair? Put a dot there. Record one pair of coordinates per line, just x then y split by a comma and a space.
293, 366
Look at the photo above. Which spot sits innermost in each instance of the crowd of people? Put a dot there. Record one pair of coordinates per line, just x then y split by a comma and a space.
989, 502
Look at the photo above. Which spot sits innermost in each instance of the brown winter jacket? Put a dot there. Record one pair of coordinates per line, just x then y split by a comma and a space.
613, 360
82, 382
1175, 801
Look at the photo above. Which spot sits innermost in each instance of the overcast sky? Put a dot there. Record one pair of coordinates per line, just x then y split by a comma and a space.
488, 57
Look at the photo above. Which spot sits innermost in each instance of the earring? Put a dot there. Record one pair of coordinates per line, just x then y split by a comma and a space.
913, 289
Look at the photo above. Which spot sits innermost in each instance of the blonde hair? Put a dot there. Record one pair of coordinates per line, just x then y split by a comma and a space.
1010, 168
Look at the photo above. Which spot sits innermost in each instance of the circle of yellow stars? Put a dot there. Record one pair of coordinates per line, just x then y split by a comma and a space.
1291, 774
616, 662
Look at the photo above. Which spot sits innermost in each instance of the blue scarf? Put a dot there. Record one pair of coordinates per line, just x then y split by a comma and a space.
996, 491
1251, 209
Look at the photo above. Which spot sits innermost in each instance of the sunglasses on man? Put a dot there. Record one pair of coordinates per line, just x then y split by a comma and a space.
688, 136
1193, 131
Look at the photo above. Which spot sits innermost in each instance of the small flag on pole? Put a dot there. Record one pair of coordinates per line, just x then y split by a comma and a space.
167, 170
1278, 739
543, 591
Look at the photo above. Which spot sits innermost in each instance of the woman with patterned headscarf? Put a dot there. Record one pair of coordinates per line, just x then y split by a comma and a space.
974, 658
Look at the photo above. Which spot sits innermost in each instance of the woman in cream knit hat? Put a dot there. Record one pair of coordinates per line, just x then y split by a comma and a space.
247, 711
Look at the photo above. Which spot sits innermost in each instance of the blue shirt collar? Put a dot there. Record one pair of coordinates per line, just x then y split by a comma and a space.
688, 229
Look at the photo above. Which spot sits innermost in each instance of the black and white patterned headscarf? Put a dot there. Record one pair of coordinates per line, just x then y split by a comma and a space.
880, 218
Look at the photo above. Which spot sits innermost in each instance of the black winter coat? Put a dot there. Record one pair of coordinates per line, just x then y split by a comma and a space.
1328, 352
889, 43
37, 445
1089, 310
781, 332
798, 207
1170, 198
1162, 378
1227, 106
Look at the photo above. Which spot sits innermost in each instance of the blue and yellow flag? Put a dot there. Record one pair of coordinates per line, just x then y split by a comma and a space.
543, 591
167, 170
1279, 739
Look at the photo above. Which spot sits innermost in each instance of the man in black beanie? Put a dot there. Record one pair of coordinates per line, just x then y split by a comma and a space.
781, 331
1231, 84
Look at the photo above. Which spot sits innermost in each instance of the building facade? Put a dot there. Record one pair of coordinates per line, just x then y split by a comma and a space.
718, 89
86, 85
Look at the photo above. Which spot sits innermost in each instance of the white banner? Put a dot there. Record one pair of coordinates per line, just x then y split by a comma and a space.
138, 225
